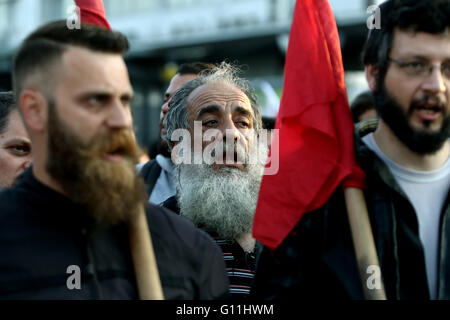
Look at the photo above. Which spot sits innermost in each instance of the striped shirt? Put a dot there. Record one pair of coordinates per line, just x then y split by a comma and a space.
240, 267
240, 264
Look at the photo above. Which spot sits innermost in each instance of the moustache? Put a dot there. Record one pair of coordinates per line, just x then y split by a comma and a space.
121, 142
230, 152
433, 103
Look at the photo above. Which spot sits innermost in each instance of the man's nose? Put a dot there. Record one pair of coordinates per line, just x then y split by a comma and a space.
164, 110
119, 116
165, 107
435, 82
230, 132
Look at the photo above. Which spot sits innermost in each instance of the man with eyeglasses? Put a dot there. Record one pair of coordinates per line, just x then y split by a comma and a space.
405, 155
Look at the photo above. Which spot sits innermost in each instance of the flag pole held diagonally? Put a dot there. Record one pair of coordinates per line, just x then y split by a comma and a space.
143, 255
144, 260
366, 254
316, 147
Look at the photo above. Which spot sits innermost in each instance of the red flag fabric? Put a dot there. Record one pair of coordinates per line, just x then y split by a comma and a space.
316, 151
93, 12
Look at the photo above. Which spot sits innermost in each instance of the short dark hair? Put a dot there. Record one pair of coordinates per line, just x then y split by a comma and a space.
431, 16
194, 68
362, 103
45, 46
7, 105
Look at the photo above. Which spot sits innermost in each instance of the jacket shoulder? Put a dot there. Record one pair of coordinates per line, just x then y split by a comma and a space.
316, 260
177, 242
12, 209
167, 225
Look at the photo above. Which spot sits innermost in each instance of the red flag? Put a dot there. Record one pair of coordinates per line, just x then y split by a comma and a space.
316, 152
93, 12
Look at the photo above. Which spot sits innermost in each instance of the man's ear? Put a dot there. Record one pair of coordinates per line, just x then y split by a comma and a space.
33, 106
372, 76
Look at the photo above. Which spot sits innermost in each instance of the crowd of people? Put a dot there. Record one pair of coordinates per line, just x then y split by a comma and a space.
71, 182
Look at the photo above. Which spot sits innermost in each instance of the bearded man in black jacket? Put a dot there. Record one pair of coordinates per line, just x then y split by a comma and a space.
63, 232
406, 157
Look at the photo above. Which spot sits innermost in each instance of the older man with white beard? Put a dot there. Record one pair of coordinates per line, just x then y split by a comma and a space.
218, 183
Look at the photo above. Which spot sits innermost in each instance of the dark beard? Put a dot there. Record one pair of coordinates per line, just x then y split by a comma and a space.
418, 141
111, 192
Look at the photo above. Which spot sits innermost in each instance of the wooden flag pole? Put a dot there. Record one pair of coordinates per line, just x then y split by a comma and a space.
366, 254
145, 267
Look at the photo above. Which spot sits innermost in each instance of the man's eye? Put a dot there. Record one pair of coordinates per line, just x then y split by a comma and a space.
126, 101
446, 69
243, 124
416, 65
20, 150
93, 100
210, 123
97, 100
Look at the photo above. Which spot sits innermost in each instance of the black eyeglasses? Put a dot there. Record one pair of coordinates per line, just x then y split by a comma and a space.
421, 68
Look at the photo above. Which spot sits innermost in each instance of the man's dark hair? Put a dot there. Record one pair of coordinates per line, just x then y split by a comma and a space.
194, 68
7, 104
431, 16
43, 48
362, 103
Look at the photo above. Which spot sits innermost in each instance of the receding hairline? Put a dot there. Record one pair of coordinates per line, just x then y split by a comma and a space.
216, 83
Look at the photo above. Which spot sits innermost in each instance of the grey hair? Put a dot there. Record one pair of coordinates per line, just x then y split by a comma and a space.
177, 116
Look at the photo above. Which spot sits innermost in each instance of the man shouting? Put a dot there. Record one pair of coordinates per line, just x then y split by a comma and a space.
219, 164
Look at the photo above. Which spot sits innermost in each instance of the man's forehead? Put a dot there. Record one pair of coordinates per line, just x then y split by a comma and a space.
219, 93
410, 42
15, 127
88, 68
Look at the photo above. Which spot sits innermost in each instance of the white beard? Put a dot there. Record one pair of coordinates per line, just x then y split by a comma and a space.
221, 201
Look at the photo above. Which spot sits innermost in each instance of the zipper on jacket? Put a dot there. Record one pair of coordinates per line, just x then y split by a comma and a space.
442, 248
395, 244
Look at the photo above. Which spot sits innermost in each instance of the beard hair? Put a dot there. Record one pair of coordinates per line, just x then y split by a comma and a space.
418, 141
111, 192
223, 200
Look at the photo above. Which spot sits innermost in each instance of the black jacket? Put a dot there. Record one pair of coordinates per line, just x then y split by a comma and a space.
42, 233
317, 259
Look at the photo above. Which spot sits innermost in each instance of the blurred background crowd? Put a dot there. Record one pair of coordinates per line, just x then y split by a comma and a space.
165, 33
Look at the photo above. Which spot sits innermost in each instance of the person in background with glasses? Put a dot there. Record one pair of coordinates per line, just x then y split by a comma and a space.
406, 157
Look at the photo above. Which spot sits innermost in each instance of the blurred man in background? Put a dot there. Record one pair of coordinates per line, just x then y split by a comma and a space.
15, 145
363, 107
158, 173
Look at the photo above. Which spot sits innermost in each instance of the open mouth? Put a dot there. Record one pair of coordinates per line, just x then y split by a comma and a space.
230, 159
428, 112
114, 155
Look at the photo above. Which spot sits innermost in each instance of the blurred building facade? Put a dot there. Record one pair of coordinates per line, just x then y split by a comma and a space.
165, 33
